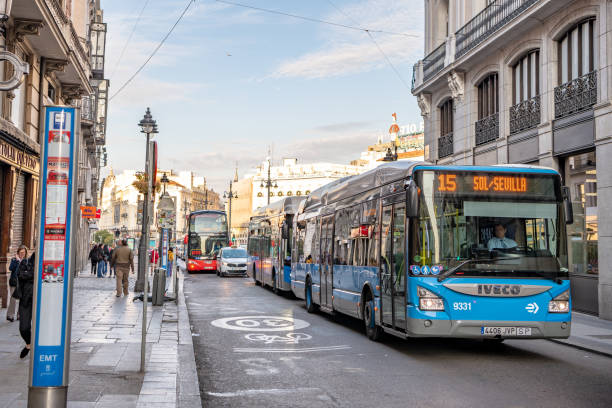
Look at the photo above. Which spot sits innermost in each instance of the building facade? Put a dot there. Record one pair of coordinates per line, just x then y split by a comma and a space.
54, 37
529, 81
119, 201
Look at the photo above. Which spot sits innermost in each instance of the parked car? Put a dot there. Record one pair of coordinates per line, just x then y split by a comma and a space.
232, 261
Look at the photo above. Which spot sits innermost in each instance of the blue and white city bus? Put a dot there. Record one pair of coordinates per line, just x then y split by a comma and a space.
415, 249
269, 243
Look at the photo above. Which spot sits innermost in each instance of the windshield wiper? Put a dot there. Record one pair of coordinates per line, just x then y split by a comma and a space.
457, 267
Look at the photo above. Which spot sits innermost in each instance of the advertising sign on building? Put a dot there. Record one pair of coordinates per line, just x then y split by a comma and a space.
52, 282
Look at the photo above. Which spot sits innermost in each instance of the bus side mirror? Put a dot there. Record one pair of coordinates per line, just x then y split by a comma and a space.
412, 199
567, 205
285, 230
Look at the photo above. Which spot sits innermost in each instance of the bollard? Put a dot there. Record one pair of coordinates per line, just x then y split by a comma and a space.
159, 287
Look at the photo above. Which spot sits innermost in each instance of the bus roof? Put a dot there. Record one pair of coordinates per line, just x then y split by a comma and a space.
394, 171
288, 205
197, 212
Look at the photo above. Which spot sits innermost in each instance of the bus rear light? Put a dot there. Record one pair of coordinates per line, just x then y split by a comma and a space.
429, 301
559, 304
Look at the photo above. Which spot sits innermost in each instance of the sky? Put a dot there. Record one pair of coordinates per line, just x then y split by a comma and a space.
232, 82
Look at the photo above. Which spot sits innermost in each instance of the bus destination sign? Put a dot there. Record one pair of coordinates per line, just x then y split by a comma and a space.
478, 183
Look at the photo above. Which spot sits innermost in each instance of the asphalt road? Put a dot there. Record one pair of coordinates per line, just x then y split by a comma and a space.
249, 353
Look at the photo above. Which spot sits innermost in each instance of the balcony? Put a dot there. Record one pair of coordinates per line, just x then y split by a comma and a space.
525, 115
434, 62
487, 129
88, 109
487, 22
445, 145
576, 95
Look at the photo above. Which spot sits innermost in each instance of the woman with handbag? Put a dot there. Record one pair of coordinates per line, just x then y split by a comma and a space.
22, 253
25, 293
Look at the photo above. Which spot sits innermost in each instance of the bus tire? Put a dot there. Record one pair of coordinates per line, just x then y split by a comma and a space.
373, 331
310, 306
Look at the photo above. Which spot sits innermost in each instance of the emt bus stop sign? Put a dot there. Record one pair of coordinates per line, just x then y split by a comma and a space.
51, 318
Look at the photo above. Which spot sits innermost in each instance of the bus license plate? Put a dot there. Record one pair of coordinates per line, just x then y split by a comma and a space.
505, 331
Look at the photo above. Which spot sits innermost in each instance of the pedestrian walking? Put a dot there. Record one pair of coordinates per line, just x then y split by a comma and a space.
25, 292
93, 257
170, 262
21, 254
101, 261
153, 259
123, 262
111, 271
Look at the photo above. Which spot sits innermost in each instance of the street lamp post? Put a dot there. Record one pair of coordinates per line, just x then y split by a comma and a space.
268, 183
230, 195
148, 127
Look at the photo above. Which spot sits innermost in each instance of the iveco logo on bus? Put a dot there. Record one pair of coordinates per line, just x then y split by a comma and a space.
507, 290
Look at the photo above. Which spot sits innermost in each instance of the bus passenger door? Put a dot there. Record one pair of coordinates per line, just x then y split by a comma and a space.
386, 256
326, 262
398, 263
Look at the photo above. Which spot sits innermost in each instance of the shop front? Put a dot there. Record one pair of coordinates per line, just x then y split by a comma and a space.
19, 171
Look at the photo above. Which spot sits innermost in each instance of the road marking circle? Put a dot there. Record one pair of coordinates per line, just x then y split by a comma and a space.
260, 323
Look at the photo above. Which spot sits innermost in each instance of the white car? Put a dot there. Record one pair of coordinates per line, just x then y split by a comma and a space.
232, 261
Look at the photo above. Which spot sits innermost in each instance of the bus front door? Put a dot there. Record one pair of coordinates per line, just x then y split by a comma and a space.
326, 261
392, 266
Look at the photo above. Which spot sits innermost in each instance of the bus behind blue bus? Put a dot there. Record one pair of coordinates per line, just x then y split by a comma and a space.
269, 244
421, 250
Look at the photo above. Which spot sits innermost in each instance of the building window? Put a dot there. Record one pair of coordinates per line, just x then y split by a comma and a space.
445, 142
525, 75
289, 193
525, 111
487, 126
260, 194
576, 51
51, 93
280, 193
298, 193
487, 96
576, 70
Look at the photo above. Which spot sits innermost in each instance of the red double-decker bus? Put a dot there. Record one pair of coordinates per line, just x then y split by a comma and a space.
208, 233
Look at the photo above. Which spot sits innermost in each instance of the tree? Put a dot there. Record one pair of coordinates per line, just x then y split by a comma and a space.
141, 184
104, 237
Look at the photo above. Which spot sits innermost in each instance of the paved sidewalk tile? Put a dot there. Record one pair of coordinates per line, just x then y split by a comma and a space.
590, 333
105, 353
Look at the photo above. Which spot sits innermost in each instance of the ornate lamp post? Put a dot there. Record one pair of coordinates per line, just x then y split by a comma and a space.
148, 127
268, 182
230, 195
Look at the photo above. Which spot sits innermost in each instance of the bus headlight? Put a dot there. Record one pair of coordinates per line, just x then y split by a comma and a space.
559, 304
429, 300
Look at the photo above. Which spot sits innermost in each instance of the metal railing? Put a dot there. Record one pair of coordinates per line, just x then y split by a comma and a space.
525, 115
576, 95
445, 145
88, 108
487, 129
434, 62
487, 22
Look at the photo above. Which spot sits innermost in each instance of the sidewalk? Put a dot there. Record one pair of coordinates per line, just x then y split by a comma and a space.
105, 353
590, 333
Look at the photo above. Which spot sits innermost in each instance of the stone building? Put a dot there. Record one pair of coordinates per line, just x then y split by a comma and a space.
54, 37
529, 81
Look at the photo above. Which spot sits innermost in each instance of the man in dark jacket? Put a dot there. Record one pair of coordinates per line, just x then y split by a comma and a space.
94, 256
26, 289
22, 253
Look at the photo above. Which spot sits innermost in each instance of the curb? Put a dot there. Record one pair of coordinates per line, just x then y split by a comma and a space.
188, 385
583, 348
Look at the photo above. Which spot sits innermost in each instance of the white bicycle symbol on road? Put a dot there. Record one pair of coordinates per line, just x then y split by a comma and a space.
260, 323
289, 338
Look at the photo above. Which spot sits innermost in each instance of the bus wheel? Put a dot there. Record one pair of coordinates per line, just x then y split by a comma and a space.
373, 331
310, 306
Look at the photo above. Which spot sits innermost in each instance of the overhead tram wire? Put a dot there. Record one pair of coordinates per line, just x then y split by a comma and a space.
126, 83
313, 20
369, 33
146, 3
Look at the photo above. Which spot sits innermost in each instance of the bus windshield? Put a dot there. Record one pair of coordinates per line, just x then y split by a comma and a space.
208, 223
489, 225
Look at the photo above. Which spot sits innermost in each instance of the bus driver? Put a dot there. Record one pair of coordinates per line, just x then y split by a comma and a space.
500, 240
